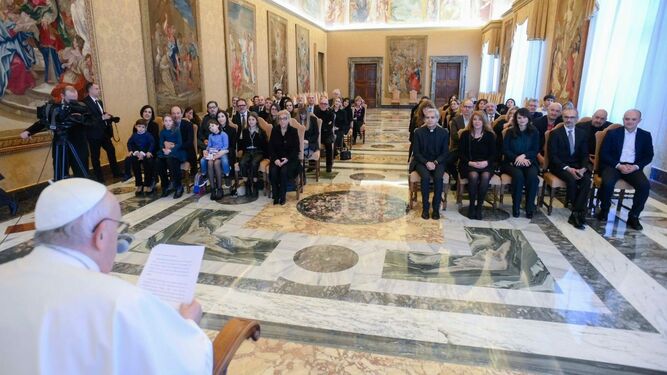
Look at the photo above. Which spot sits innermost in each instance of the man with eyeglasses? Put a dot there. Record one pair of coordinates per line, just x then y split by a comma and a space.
203, 132
328, 137
457, 123
231, 110
241, 117
63, 314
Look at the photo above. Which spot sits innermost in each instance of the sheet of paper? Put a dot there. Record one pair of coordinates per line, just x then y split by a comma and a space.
171, 273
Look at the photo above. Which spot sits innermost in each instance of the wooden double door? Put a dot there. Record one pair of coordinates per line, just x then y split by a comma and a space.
365, 82
447, 81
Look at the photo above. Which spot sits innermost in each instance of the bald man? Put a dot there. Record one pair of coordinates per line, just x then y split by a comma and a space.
598, 122
547, 122
623, 155
64, 314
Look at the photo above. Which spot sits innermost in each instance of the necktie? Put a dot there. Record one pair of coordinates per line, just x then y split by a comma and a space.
243, 121
100, 106
570, 137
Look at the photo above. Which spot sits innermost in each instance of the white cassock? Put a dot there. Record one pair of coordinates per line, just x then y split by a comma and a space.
60, 315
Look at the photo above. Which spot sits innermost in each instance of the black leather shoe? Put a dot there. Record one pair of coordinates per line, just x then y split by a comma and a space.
582, 218
165, 193
276, 201
516, 212
602, 215
575, 221
425, 214
435, 215
478, 213
633, 222
179, 192
471, 212
529, 214
282, 201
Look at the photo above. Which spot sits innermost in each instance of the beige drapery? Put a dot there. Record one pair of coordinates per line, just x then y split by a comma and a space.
537, 21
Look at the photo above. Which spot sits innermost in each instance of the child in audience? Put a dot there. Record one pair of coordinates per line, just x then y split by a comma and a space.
140, 147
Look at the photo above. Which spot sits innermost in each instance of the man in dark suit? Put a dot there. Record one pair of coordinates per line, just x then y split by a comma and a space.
597, 123
231, 110
533, 105
187, 137
490, 112
457, 123
241, 117
327, 133
261, 109
99, 132
545, 123
568, 160
624, 154
431, 146
203, 130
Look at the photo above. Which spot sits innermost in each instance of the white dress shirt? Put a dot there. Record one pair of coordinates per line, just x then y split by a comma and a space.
628, 152
61, 315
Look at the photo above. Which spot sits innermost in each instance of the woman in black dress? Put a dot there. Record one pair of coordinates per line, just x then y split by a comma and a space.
284, 156
342, 123
358, 112
477, 155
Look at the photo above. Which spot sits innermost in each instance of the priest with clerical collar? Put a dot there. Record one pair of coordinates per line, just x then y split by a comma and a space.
63, 314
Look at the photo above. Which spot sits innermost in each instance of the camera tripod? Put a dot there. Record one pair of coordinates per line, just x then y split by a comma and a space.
61, 165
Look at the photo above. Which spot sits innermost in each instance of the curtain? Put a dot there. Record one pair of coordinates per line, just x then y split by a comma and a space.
616, 57
537, 22
525, 67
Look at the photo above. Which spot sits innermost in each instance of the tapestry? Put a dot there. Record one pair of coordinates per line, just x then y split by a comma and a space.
174, 73
241, 43
302, 60
406, 64
277, 28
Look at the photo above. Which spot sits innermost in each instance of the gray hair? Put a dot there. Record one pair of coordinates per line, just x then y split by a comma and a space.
437, 113
78, 232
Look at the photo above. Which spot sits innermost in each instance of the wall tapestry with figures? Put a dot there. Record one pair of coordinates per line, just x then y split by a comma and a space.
277, 28
171, 47
406, 65
302, 60
241, 48
45, 46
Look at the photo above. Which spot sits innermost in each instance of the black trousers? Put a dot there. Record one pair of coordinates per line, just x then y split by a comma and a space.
356, 130
148, 166
523, 177
638, 181
249, 164
438, 185
577, 190
452, 163
329, 153
280, 176
107, 145
167, 167
340, 136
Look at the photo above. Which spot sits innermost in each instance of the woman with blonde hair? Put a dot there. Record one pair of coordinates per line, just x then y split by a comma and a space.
477, 156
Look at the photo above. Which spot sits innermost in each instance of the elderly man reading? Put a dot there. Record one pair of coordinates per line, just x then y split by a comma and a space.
62, 313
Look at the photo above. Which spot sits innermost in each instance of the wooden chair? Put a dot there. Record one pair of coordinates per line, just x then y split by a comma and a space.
414, 188
362, 131
229, 339
550, 180
264, 164
583, 119
316, 156
622, 186
494, 184
301, 177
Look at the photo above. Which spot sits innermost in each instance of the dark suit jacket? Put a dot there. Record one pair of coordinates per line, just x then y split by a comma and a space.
97, 128
422, 153
541, 125
455, 125
559, 149
536, 115
588, 126
286, 146
327, 118
612, 146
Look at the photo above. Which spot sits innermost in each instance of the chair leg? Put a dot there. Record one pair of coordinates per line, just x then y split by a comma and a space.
459, 194
445, 192
621, 196
410, 197
540, 199
551, 200
317, 171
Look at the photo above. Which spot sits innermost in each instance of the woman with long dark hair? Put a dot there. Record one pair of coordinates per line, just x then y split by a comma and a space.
520, 146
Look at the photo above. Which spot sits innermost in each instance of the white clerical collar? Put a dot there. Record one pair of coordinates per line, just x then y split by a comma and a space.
73, 257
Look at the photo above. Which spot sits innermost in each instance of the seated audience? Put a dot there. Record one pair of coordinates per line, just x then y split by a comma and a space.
459, 122
490, 112
520, 147
216, 158
545, 123
597, 123
147, 113
532, 105
414, 124
480, 104
358, 112
64, 314
546, 102
284, 156
241, 117
254, 147
233, 137
140, 147
190, 115
624, 154
311, 138
170, 156
328, 136
509, 103
203, 130
568, 160
311, 103
477, 155
431, 144
273, 114
187, 136
231, 110
342, 123
451, 110
449, 102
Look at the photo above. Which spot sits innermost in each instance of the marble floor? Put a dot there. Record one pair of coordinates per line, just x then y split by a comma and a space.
349, 281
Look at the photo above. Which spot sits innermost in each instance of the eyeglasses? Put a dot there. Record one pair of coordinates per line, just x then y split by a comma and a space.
283, 118
122, 225
467, 106
324, 103
240, 105
569, 117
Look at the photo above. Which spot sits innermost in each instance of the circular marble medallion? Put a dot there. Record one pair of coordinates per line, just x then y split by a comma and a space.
326, 258
123, 190
352, 207
382, 146
366, 176
489, 214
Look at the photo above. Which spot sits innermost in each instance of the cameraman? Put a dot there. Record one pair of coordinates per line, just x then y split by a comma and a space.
75, 135
99, 132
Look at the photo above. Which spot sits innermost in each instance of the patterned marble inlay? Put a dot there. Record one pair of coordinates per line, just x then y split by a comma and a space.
382, 146
352, 207
122, 190
198, 227
326, 258
366, 176
502, 258
488, 213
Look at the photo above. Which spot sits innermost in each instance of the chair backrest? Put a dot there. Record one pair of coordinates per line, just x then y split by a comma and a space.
496, 121
302, 134
266, 127
195, 129
546, 144
319, 129
160, 121
599, 137
584, 119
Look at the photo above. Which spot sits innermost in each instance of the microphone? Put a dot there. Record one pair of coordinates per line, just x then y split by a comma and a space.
124, 241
